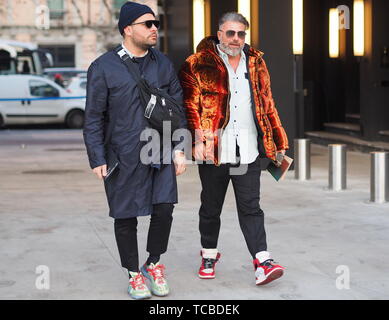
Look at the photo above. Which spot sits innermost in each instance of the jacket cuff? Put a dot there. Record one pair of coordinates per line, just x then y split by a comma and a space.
282, 148
95, 164
96, 158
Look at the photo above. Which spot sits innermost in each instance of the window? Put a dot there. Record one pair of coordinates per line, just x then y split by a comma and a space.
57, 9
63, 55
162, 17
25, 65
42, 89
6, 63
83, 85
117, 4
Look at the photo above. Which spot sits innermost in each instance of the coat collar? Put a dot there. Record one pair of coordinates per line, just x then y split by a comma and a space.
131, 54
151, 52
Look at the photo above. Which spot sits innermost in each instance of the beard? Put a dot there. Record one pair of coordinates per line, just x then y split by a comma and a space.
145, 44
231, 51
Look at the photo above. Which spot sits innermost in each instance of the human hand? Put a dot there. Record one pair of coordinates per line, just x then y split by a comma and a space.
279, 157
100, 171
179, 162
199, 151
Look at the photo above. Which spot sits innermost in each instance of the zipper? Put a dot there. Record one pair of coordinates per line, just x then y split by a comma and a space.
262, 113
253, 99
227, 119
221, 62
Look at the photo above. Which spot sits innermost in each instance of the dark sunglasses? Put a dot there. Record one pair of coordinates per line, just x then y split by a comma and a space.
231, 33
148, 23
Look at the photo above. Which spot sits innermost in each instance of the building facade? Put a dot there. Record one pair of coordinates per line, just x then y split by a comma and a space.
342, 99
318, 96
75, 32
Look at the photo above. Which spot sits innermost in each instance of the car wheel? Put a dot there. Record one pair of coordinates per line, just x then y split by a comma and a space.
75, 119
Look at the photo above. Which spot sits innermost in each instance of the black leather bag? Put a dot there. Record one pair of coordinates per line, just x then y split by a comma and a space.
159, 105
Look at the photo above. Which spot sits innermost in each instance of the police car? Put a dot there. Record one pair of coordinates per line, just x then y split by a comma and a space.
31, 99
77, 86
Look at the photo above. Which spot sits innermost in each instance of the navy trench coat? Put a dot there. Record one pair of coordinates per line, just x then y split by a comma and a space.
112, 94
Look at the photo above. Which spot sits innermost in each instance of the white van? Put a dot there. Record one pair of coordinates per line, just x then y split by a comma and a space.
30, 99
23, 58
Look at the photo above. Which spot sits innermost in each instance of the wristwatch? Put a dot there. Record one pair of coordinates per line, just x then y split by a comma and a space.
279, 158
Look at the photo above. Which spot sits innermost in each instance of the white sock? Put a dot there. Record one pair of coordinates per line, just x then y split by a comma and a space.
209, 253
263, 256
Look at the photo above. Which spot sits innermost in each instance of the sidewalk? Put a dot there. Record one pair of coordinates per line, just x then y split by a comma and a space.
53, 212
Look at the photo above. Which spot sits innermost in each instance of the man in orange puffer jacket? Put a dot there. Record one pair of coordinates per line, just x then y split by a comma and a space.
234, 122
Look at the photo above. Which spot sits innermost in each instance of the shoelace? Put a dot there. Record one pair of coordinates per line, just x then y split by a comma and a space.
158, 274
209, 263
267, 263
138, 282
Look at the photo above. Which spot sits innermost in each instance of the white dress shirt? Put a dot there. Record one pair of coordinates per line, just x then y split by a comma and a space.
241, 128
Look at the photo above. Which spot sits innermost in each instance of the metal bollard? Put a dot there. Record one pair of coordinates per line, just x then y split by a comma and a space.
302, 159
379, 177
337, 167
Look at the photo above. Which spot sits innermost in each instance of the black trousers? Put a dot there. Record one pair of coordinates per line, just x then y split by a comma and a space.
214, 182
157, 238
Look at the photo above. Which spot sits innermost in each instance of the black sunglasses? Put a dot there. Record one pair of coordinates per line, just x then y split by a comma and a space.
149, 23
231, 33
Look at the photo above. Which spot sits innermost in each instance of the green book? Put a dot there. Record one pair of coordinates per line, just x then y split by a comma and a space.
279, 173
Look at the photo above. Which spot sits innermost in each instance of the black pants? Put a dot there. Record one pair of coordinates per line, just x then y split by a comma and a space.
214, 182
157, 239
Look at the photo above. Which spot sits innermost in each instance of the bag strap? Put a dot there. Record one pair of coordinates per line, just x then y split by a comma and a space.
134, 70
141, 82
130, 64
119, 50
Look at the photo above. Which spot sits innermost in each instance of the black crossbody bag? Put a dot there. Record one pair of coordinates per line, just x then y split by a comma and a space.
159, 106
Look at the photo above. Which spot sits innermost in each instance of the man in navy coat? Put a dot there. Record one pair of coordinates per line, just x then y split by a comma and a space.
134, 188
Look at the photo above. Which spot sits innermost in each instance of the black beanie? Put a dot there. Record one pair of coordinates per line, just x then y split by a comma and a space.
129, 12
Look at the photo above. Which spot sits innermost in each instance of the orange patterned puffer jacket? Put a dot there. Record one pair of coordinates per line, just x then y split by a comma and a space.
204, 79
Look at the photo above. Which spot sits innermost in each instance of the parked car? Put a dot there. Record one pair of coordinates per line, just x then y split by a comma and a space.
30, 99
65, 73
77, 86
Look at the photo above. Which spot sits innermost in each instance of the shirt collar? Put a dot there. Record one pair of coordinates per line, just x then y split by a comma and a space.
130, 54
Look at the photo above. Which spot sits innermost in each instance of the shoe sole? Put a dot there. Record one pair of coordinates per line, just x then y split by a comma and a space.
206, 277
139, 298
151, 289
271, 277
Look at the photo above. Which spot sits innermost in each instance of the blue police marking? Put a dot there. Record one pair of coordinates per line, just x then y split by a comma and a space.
50, 98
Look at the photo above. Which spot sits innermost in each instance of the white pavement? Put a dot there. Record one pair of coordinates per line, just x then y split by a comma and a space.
53, 213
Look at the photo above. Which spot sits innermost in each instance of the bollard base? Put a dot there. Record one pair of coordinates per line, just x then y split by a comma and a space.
369, 202
335, 190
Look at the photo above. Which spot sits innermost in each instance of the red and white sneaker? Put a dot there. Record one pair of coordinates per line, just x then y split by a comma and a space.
265, 270
209, 259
